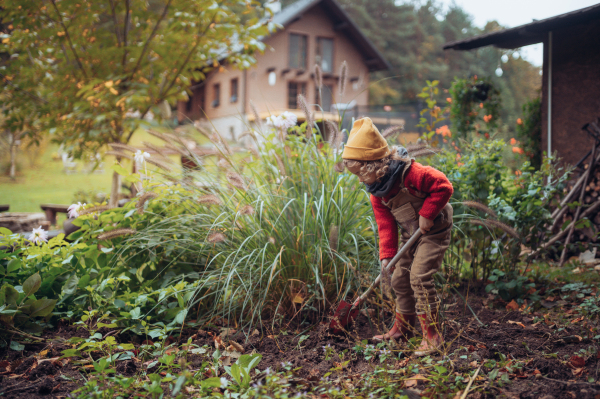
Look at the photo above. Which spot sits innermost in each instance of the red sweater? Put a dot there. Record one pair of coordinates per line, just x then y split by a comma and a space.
419, 178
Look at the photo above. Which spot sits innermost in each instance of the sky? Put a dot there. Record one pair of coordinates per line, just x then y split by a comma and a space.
511, 13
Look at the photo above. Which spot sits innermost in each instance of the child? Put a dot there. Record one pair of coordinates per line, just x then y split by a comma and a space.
403, 190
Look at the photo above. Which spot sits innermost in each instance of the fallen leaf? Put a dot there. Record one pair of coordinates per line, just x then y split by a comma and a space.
577, 361
495, 322
43, 353
578, 372
516, 322
512, 305
237, 346
218, 341
577, 320
481, 346
404, 362
227, 332
536, 372
551, 299
255, 332
172, 350
577, 270
473, 363
471, 348
5, 365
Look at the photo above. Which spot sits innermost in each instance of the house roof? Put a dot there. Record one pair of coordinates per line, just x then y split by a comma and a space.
342, 22
531, 33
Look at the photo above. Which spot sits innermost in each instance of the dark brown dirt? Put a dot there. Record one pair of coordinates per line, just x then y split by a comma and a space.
542, 347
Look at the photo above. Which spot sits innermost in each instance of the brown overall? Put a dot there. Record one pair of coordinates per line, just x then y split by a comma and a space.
413, 276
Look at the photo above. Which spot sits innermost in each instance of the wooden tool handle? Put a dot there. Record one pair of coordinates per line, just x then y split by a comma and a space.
394, 260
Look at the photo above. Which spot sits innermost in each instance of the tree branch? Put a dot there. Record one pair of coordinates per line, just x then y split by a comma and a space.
164, 13
62, 23
125, 31
114, 16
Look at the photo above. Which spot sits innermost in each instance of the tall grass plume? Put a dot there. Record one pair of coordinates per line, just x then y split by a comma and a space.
390, 131
214, 238
303, 105
143, 199
210, 199
236, 180
343, 77
116, 233
318, 76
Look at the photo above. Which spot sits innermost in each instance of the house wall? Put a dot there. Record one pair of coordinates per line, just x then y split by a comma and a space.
575, 90
254, 83
314, 23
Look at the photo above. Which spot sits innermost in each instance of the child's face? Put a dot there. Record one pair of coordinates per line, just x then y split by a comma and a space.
368, 178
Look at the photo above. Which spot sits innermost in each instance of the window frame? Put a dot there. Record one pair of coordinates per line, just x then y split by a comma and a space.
216, 95
234, 96
301, 87
306, 50
318, 57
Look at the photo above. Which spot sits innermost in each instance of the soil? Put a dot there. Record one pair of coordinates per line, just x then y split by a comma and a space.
544, 348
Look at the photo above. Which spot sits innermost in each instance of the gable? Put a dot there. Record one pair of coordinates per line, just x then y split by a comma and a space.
297, 14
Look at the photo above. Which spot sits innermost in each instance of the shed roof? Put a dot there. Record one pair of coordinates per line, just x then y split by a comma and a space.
342, 22
531, 33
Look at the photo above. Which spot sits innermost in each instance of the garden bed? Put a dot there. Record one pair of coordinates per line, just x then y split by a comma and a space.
525, 355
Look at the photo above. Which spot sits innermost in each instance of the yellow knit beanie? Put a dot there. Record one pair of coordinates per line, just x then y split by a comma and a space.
365, 143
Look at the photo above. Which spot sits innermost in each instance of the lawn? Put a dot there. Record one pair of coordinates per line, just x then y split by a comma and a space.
47, 183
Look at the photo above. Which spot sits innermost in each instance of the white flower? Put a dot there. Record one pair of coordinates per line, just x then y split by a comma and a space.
287, 120
224, 382
38, 236
73, 210
274, 121
141, 156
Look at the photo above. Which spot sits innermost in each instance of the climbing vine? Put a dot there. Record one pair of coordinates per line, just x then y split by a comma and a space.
475, 107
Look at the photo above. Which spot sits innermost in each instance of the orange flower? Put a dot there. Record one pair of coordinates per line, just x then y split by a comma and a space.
460, 164
518, 173
444, 131
449, 99
518, 150
481, 105
513, 141
487, 135
457, 157
487, 118
519, 121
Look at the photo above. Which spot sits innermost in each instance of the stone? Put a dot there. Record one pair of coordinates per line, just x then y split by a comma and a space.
23, 222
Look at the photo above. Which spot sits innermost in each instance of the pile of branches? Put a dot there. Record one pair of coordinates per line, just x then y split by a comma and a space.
582, 201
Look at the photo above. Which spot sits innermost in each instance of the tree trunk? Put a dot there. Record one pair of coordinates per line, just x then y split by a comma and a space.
13, 156
115, 188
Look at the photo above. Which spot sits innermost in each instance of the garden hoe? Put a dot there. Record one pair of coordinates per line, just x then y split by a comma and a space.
346, 312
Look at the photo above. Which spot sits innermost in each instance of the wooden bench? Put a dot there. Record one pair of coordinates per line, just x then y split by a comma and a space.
52, 209
4, 208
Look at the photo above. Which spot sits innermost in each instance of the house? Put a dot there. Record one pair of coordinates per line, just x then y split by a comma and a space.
571, 75
314, 32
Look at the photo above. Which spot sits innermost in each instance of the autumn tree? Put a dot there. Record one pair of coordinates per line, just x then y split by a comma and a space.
100, 66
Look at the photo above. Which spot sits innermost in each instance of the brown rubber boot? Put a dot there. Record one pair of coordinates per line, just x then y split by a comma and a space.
402, 330
432, 337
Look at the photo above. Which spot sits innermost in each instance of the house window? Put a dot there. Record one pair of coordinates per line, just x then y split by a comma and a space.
295, 88
234, 90
326, 99
325, 54
216, 95
298, 45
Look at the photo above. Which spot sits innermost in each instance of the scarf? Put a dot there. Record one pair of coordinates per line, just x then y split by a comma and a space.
383, 187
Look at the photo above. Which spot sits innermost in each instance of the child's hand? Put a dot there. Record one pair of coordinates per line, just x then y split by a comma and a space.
425, 224
384, 263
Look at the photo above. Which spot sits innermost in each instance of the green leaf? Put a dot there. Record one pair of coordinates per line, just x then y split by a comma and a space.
213, 382
235, 373
120, 170
13, 265
180, 318
14, 345
42, 307
32, 284
5, 232
178, 385
70, 285
11, 295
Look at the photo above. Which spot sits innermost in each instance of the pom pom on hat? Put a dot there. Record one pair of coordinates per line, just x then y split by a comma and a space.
365, 143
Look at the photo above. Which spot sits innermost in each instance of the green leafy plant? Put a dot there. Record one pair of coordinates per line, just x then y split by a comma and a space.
475, 107
240, 370
529, 131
